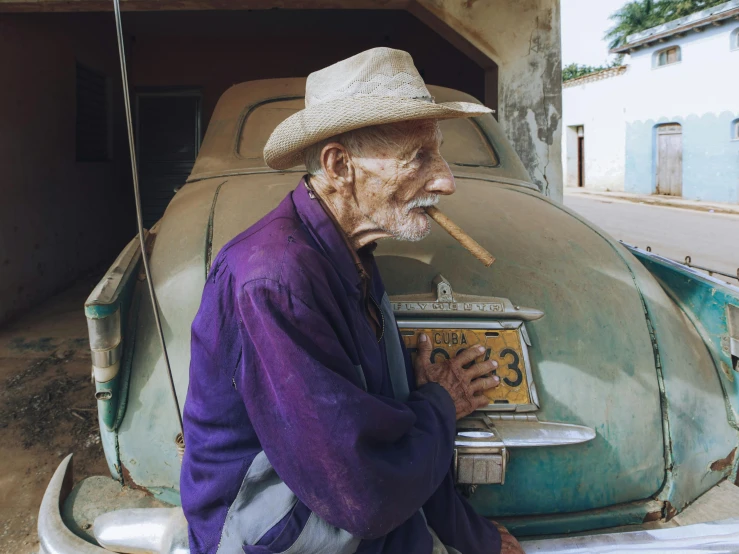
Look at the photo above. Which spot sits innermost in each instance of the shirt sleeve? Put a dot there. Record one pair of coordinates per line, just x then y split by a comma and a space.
456, 522
362, 462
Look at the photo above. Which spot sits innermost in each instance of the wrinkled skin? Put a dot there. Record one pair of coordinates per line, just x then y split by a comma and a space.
372, 195
465, 386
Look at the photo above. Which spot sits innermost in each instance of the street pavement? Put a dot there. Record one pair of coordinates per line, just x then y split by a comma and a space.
710, 239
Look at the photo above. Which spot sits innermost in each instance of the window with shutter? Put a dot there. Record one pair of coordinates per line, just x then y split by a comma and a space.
667, 56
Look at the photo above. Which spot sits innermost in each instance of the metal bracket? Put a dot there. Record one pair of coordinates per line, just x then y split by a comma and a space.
443, 301
732, 318
480, 456
484, 441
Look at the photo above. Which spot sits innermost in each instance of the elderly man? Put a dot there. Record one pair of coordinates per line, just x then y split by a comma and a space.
307, 428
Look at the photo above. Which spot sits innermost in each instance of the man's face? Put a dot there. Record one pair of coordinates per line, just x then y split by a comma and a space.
392, 187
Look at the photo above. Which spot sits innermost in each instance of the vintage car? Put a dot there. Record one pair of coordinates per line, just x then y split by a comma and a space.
619, 395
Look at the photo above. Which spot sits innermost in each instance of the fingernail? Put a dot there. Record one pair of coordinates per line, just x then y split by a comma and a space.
422, 337
495, 364
496, 379
481, 349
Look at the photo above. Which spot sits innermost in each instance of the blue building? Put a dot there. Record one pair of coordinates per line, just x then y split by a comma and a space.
668, 121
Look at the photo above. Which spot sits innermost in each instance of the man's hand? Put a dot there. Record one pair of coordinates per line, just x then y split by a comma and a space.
508, 543
464, 384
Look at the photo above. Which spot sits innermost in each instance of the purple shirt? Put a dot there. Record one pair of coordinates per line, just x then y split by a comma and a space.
276, 345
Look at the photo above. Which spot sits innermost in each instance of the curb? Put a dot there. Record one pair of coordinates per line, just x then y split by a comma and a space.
657, 200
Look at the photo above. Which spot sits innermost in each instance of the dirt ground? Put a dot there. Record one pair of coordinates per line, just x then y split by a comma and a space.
47, 409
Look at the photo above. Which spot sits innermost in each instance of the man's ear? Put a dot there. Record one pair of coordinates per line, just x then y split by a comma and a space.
338, 167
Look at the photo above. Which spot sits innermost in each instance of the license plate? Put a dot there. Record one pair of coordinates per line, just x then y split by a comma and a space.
504, 342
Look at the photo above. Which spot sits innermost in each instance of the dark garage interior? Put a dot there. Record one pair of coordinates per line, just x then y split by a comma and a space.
68, 204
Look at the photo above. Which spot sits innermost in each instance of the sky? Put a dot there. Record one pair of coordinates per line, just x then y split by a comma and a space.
584, 22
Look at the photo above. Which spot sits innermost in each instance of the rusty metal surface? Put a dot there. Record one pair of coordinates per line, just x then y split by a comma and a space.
700, 398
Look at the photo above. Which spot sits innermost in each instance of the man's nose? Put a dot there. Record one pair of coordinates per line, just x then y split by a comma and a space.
441, 182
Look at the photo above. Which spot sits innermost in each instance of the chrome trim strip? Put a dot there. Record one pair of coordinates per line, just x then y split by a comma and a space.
109, 357
523, 336
54, 536
533, 434
449, 323
515, 431
714, 536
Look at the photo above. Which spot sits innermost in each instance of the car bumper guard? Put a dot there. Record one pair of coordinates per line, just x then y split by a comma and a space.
714, 537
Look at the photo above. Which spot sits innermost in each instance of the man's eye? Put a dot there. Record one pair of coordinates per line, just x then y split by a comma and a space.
419, 155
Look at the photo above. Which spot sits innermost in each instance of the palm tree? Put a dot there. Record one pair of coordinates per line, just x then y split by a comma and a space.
639, 15
674, 9
633, 17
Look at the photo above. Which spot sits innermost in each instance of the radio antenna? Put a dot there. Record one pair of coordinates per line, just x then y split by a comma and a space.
139, 218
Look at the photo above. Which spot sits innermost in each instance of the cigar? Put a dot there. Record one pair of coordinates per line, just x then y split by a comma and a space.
472, 246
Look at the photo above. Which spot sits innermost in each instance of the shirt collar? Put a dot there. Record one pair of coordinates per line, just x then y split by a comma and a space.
329, 236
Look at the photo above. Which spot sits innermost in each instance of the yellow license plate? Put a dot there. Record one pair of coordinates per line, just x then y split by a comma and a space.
501, 345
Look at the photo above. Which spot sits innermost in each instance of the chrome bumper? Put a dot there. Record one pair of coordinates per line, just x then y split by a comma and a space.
137, 530
714, 537
54, 536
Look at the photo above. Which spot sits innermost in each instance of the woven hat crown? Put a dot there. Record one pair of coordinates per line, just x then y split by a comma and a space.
379, 72
377, 87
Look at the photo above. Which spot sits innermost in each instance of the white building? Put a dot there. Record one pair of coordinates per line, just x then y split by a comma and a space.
667, 122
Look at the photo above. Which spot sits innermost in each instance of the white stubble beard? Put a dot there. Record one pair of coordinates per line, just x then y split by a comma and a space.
402, 226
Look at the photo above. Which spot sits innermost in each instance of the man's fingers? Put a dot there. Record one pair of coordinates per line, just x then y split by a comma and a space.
484, 383
468, 355
424, 350
480, 401
483, 368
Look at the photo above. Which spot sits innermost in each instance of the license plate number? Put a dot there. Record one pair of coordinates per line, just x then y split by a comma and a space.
502, 345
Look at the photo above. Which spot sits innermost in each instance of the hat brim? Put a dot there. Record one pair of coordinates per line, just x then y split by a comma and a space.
285, 146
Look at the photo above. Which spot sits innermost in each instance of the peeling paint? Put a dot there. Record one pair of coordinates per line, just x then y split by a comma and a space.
129, 482
653, 516
670, 511
724, 463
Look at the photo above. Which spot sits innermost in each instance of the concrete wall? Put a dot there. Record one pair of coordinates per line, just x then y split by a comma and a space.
701, 93
597, 106
523, 38
58, 217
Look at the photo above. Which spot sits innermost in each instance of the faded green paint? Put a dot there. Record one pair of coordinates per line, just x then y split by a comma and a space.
546, 259
100, 311
614, 352
703, 397
107, 400
631, 513
705, 300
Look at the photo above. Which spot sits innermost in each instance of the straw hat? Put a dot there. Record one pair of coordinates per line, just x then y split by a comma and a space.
375, 87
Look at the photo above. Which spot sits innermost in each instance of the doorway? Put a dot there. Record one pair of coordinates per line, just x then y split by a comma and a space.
581, 156
670, 159
167, 144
